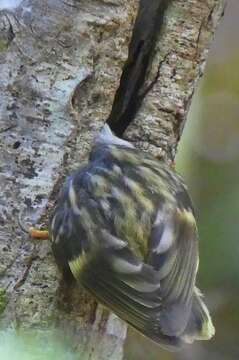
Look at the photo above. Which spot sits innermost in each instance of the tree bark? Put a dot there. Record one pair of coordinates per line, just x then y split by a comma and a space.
60, 66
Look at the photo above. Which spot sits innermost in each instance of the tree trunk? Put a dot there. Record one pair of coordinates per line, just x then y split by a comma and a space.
61, 63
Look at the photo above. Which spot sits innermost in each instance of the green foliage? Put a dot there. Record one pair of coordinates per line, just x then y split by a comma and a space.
34, 345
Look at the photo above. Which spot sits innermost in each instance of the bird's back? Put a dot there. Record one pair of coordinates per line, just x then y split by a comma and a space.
124, 227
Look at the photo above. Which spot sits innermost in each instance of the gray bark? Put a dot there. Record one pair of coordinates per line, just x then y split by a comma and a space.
60, 66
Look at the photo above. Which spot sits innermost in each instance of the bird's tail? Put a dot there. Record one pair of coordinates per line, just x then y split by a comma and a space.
200, 325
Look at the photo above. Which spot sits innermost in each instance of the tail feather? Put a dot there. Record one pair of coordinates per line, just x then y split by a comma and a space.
200, 325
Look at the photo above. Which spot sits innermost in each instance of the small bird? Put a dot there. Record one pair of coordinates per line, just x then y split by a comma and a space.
124, 227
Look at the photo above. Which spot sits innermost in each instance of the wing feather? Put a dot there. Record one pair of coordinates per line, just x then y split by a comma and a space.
134, 296
179, 251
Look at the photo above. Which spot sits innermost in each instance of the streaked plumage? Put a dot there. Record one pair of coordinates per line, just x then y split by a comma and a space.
124, 227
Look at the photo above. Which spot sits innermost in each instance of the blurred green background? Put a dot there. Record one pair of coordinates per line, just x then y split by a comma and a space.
208, 159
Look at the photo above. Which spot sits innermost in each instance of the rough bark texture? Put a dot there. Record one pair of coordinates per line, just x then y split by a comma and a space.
60, 64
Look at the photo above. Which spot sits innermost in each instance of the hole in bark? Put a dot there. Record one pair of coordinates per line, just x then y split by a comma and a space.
16, 145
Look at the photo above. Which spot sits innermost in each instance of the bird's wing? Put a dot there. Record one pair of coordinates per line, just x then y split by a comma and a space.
126, 285
173, 253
